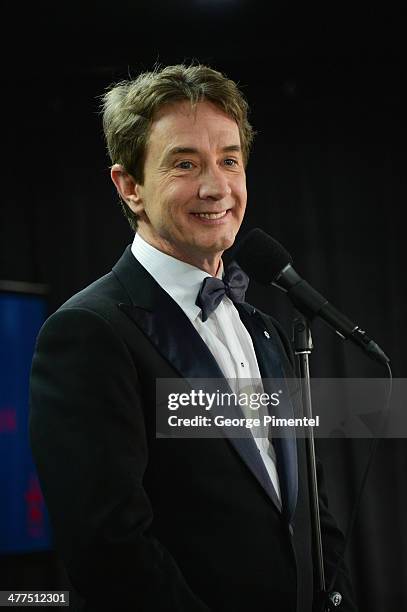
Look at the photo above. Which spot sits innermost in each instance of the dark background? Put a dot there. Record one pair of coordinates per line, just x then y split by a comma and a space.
327, 89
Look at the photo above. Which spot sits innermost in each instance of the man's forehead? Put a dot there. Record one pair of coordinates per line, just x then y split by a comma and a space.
180, 128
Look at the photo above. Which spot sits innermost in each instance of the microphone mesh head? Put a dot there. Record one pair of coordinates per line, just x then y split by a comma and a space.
261, 257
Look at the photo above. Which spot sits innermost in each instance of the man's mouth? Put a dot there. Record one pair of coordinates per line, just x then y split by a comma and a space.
207, 215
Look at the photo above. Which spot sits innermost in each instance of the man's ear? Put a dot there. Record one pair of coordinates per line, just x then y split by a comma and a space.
127, 188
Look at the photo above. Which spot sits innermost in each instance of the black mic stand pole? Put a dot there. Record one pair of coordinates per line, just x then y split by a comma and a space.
302, 347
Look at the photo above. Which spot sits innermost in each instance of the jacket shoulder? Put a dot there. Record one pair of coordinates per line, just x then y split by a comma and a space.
101, 291
94, 307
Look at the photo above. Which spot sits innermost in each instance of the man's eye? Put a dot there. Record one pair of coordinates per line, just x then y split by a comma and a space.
230, 162
185, 165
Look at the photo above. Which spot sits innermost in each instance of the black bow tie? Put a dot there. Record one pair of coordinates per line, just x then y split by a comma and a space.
212, 290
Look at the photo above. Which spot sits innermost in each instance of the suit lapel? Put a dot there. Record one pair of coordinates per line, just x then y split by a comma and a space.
176, 339
163, 321
269, 350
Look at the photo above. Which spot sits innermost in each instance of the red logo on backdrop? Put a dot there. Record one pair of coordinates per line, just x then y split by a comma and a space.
35, 508
8, 419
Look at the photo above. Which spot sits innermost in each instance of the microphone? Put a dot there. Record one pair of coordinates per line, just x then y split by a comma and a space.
267, 262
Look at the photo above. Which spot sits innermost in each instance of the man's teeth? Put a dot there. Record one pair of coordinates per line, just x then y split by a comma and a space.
211, 215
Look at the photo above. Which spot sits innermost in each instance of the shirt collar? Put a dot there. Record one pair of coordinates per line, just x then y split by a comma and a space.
179, 279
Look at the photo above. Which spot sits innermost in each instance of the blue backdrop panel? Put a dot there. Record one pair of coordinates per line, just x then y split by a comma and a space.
24, 523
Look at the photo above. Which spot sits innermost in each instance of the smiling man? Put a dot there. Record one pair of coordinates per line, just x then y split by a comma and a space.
147, 524
191, 202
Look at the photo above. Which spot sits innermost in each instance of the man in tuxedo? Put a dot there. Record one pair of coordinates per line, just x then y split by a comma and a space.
154, 524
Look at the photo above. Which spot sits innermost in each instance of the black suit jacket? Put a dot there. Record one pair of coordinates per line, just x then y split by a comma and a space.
150, 524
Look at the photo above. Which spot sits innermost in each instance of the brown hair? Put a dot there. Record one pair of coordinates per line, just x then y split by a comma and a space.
129, 107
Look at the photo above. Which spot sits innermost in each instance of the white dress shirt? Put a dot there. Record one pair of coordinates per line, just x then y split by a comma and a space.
223, 332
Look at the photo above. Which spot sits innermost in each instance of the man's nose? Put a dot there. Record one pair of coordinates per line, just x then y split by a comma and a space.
214, 184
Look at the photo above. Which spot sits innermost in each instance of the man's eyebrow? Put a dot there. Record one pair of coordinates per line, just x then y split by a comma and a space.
181, 150
231, 148
177, 150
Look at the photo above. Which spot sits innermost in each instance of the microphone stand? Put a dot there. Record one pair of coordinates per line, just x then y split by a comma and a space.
303, 347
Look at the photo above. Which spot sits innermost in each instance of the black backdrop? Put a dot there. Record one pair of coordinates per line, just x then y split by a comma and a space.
326, 178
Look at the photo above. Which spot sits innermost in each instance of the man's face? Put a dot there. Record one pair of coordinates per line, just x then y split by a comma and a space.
193, 199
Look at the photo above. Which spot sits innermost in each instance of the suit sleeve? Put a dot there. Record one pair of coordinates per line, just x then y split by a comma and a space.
333, 544
89, 444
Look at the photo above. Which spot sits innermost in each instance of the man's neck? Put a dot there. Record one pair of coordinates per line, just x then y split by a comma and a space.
209, 263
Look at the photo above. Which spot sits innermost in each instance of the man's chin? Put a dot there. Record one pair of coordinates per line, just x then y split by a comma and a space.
219, 245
